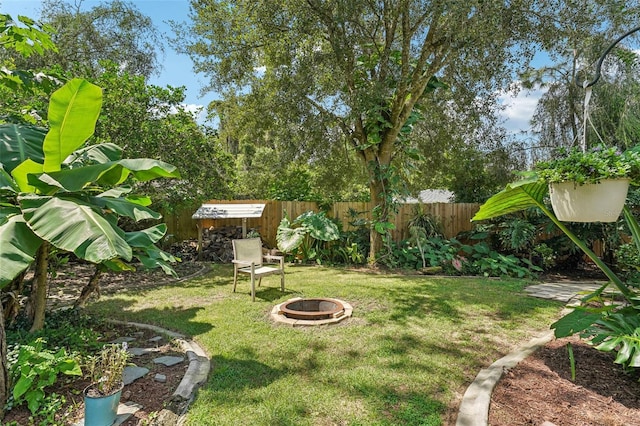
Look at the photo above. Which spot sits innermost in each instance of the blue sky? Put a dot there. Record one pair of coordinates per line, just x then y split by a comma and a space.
178, 69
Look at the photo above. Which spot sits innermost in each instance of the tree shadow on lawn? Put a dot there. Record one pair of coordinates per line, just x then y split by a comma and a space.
232, 374
166, 317
452, 298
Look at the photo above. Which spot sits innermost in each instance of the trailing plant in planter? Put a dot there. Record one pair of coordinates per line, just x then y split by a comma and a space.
590, 186
593, 166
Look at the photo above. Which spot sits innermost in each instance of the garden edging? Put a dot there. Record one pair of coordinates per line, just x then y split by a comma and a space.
474, 407
196, 374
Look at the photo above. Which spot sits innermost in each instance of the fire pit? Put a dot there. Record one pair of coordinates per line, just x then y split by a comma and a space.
312, 311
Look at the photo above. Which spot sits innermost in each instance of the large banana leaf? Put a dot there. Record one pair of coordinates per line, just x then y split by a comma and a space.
152, 257
125, 207
101, 153
147, 253
17, 143
7, 184
105, 175
22, 172
516, 196
71, 225
73, 112
18, 246
6, 212
146, 237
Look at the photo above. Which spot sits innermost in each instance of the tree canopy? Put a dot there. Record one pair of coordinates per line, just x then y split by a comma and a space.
362, 67
114, 30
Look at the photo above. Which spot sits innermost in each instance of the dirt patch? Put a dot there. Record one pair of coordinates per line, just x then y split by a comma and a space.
539, 389
69, 280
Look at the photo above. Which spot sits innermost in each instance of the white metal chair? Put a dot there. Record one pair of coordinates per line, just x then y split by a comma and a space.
249, 259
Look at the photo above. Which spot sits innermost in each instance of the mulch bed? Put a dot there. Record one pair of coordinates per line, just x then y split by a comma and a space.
540, 389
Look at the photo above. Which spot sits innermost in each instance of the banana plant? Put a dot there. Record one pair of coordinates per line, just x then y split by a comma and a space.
55, 191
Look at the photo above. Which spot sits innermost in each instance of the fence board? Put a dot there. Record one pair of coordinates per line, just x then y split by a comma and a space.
455, 218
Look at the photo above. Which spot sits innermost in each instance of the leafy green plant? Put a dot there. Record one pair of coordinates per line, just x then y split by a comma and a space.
517, 234
628, 257
545, 254
431, 226
297, 237
32, 368
69, 328
590, 167
482, 260
106, 369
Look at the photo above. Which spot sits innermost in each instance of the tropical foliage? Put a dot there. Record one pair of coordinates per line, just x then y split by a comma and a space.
299, 237
607, 324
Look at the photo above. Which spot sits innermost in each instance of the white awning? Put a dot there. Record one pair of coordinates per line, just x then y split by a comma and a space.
228, 211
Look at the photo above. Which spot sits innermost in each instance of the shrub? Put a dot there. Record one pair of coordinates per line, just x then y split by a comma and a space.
32, 368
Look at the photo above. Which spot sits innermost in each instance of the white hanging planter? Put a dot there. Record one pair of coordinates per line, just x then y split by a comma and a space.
591, 202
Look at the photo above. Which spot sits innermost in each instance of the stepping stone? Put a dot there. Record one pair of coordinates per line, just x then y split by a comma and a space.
160, 378
169, 360
123, 340
141, 351
133, 373
155, 339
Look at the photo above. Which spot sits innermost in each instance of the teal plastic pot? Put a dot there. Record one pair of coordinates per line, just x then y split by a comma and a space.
101, 410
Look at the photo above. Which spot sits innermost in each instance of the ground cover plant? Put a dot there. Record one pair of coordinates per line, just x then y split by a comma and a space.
410, 350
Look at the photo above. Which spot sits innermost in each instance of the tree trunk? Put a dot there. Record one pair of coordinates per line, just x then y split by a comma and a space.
4, 373
92, 286
375, 238
37, 303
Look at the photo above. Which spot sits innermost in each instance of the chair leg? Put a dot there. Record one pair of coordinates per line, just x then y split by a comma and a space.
235, 278
282, 281
253, 288
260, 281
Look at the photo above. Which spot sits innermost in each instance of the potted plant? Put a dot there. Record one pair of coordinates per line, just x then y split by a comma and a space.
590, 186
102, 396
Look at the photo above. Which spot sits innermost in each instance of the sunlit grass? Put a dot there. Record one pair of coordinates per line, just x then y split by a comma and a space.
413, 345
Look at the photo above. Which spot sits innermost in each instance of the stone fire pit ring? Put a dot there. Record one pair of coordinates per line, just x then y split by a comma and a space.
311, 311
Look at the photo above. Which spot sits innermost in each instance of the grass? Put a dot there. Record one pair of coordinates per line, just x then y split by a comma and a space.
413, 345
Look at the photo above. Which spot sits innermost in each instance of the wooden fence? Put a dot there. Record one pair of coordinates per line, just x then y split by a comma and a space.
454, 218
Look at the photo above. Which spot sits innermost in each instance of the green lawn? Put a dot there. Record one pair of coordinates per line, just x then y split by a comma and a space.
413, 345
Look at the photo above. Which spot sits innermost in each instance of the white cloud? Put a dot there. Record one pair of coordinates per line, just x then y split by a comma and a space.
193, 108
519, 108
